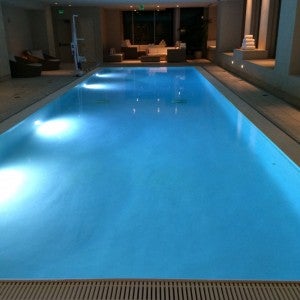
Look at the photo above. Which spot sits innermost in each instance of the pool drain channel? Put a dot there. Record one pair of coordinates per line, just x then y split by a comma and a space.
148, 289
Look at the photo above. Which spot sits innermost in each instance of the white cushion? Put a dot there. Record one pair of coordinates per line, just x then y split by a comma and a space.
162, 43
37, 53
126, 43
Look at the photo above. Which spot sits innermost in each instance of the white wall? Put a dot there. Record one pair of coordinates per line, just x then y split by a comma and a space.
17, 29
212, 25
38, 29
230, 17
285, 36
295, 52
50, 33
26, 29
4, 64
113, 30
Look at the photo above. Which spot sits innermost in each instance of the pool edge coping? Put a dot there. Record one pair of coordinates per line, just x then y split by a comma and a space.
278, 136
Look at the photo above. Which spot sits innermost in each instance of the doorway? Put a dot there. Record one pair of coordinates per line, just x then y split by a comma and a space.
64, 38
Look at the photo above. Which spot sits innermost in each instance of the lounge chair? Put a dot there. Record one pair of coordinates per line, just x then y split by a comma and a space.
38, 56
20, 68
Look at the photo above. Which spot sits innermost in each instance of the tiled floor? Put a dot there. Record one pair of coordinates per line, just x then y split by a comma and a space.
18, 94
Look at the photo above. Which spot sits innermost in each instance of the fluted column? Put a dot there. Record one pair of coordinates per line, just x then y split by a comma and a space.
248, 17
264, 20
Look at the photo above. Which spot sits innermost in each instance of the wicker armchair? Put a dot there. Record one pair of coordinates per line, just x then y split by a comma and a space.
20, 68
37, 56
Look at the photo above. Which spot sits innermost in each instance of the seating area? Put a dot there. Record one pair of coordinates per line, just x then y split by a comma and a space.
38, 56
153, 53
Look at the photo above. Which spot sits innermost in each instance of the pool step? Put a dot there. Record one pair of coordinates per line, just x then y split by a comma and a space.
148, 289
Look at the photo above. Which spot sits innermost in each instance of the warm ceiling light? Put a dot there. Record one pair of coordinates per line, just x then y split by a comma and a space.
131, 6
157, 6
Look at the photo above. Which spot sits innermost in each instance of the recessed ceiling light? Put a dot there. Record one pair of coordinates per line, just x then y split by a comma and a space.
70, 5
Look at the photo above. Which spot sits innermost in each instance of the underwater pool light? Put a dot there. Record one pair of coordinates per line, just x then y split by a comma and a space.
110, 75
37, 122
103, 86
11, 181
55, 128
94, 86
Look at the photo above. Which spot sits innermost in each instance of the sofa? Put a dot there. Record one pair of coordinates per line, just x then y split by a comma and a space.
130, 52
176, 55
159, 50
133, 51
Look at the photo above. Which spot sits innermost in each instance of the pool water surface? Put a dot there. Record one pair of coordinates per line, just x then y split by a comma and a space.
146, 173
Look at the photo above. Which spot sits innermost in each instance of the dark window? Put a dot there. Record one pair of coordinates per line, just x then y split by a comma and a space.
148, 27
193, 28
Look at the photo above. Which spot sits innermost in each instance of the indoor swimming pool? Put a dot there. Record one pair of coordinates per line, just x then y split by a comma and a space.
146, 173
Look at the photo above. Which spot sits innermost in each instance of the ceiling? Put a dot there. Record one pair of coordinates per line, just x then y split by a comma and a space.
122, 4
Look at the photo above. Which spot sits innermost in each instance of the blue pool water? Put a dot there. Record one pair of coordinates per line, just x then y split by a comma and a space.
146, 173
